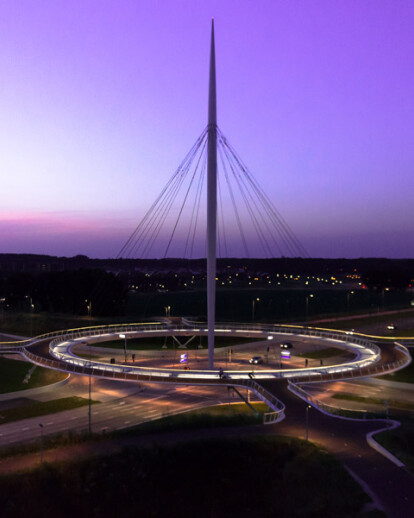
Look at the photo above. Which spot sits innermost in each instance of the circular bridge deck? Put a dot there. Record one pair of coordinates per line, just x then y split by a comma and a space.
55, 350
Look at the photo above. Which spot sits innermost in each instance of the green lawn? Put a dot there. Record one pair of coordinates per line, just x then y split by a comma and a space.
158, 342
13, 373
375, 401
235, 414
38, 409
222, 478
325, 353
400, 442
405, 375
355, 323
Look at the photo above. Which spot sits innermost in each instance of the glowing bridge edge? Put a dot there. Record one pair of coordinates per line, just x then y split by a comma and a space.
61, 348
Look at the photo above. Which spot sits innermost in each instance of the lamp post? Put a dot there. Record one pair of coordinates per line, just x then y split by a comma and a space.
2, 301
88, 307
269, 339
307, 304
307, 421
125, 345
41, 442
31, 316
90, 392
348, 296
167, 311
254, 306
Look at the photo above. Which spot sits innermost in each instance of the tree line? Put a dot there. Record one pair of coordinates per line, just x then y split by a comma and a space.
79, 292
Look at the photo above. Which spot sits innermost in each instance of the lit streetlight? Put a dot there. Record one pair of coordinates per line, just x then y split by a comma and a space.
125, 345
41, 443
254, 306
307, 421
90, 392
307, 304
348, 296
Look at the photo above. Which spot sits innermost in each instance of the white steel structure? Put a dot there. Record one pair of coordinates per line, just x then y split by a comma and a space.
211, 203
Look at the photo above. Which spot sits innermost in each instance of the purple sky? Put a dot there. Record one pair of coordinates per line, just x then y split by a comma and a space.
100, 101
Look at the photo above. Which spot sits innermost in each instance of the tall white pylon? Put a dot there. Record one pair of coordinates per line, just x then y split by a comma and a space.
211, 202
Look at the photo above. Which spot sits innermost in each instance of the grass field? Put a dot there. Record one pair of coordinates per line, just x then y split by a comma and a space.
38, 409
13, 373
393, 404
403, 376
324, 353
275, 305
400, 442
255, 477
156, 343
235, 414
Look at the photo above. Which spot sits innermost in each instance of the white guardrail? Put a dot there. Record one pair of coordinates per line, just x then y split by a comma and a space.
62, 343
61, 348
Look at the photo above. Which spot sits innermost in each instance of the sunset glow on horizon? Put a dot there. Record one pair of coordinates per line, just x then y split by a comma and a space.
102, 100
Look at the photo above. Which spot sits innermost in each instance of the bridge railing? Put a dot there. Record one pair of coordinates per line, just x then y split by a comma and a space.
271, 401
312, 374
364, 371
84, 331
334, 410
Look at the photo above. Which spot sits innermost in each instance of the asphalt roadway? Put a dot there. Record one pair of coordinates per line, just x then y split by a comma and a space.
391, 487
122, 405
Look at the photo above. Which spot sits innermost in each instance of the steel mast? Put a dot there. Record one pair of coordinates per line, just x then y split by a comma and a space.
211, 202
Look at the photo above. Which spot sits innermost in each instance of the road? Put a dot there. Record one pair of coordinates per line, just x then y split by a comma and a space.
393, 487
122, 405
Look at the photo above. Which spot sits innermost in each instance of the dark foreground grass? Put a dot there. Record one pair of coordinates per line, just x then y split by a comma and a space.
218, 416
159, 342
400, 442
237, 477
405, 375
238, 414
13, 373
392, 403
42, 408
324, 353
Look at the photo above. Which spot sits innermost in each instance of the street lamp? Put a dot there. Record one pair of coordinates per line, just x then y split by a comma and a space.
41, 443
254, 306
307, 304
307, 421
90, 392
2, 301
167, 311
269, 338
125, 344
89, 307
349, 293
31, 316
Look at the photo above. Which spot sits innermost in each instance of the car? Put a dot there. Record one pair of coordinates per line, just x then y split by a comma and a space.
391, 327
256, 359
286, 345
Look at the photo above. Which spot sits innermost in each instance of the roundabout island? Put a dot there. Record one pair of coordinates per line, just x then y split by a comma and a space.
74, 351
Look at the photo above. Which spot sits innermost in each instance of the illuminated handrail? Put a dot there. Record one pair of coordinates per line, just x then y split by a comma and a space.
332, 410
263, 331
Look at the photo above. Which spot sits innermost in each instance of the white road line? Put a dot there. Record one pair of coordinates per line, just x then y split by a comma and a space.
25, 429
